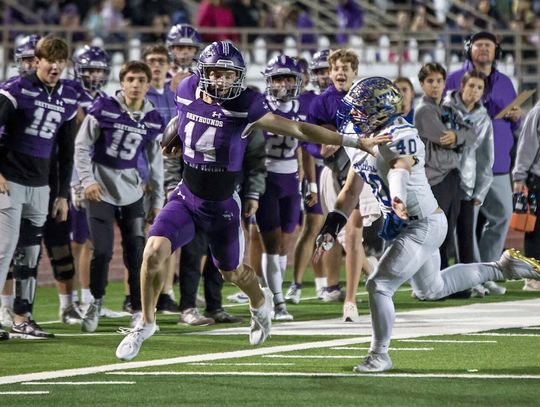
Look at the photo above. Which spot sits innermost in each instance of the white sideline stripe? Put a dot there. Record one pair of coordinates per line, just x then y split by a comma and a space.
444, 340
323, 374
74, 383
367, 348
240, 364
362, 293
20, 393
315, 356
509, 314
499, 334
90, 334
55, 374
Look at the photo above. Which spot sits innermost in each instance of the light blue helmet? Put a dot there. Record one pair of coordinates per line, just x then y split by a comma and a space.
371, 104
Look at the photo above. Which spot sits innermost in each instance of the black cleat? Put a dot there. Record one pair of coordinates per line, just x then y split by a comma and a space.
166, 305
29, 330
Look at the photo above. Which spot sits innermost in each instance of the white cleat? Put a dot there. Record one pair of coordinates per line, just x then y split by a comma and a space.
374, 363
350, 312
281, 314
293, 294
90, 319
238, 298
131, 344
494, 289
515, 266
261, 321
6, 316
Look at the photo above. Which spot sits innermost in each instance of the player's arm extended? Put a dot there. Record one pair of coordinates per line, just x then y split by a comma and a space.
317, 134
398, 178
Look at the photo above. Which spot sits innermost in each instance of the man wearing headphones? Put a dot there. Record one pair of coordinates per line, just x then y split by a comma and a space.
482, 50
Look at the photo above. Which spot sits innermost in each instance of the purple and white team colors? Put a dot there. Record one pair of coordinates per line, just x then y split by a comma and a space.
214, 138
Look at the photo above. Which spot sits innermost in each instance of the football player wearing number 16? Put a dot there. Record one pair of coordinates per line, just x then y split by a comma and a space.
38, 114
414, 223
115, 132
216, 114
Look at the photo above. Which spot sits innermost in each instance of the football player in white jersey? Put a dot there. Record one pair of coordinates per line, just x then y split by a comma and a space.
414, 223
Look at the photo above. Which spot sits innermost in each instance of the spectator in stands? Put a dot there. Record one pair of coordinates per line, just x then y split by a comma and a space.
246, 14
406, 89
112, 14
151, 13
94, 21
216, 14
71, 20
350, 17
482, 50
526, 177
490, 18
464, 26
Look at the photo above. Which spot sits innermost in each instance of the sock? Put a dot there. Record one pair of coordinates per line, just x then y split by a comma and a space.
86, 296
283, 265
320, 283
65, 300
74, 296
382, 320
264, 270
274, 277
7, 300
170, 293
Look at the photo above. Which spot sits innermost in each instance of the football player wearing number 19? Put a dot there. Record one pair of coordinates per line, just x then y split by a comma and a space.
114, 133
216, 114
38, 114
414, 223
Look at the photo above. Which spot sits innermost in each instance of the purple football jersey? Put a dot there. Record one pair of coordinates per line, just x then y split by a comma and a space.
323, 109
84, 98
215, 135
280, 147
122, 138
39, 115
305, 100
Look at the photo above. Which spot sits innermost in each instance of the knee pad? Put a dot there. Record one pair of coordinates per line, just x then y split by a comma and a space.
30, 235
62, 262
56, 233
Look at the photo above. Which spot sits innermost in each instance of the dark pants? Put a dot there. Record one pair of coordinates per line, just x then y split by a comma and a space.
190, 275
532, 239
448, 195
130, 219
466, 234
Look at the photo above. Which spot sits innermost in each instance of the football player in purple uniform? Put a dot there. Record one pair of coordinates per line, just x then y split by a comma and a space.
115, 132
38, 112
183, 42
320, 70
216, 115
24, 56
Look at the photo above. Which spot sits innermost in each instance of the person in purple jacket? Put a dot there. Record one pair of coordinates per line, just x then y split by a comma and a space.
216, 115
482, 51
38, 114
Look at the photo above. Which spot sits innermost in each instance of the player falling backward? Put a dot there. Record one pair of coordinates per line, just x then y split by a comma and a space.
414, 223
215, 116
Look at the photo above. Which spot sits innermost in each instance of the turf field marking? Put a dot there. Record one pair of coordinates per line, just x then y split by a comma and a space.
499, 334
241, 364
75, 383
315, 356
326, 374
443, 340
17, 393
367, 348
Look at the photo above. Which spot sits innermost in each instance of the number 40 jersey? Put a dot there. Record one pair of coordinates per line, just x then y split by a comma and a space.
374, 170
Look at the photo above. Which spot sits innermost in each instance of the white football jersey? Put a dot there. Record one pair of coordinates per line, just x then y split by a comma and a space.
374, 170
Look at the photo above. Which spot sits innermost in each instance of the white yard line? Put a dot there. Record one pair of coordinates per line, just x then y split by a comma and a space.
413, 324
367, 348
315, 356
323, 374
443, 340
241, 364
500, 334
22, 393
76, 383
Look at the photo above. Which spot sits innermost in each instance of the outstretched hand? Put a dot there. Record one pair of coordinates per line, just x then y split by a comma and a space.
400, 209
367, 144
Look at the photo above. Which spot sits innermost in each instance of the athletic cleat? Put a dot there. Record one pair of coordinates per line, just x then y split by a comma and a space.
239, 298
221, 316
126, 305
331, 294
293, 294
4, 336
281, 314
320, 293
109, 313
166, 305
515, 266
494, 289
6, 316
479, 291
373, 363
135, 318
261, 322
350, 312
71, 315
29, 330
531, 285
131, 344
191, 316
90, 319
